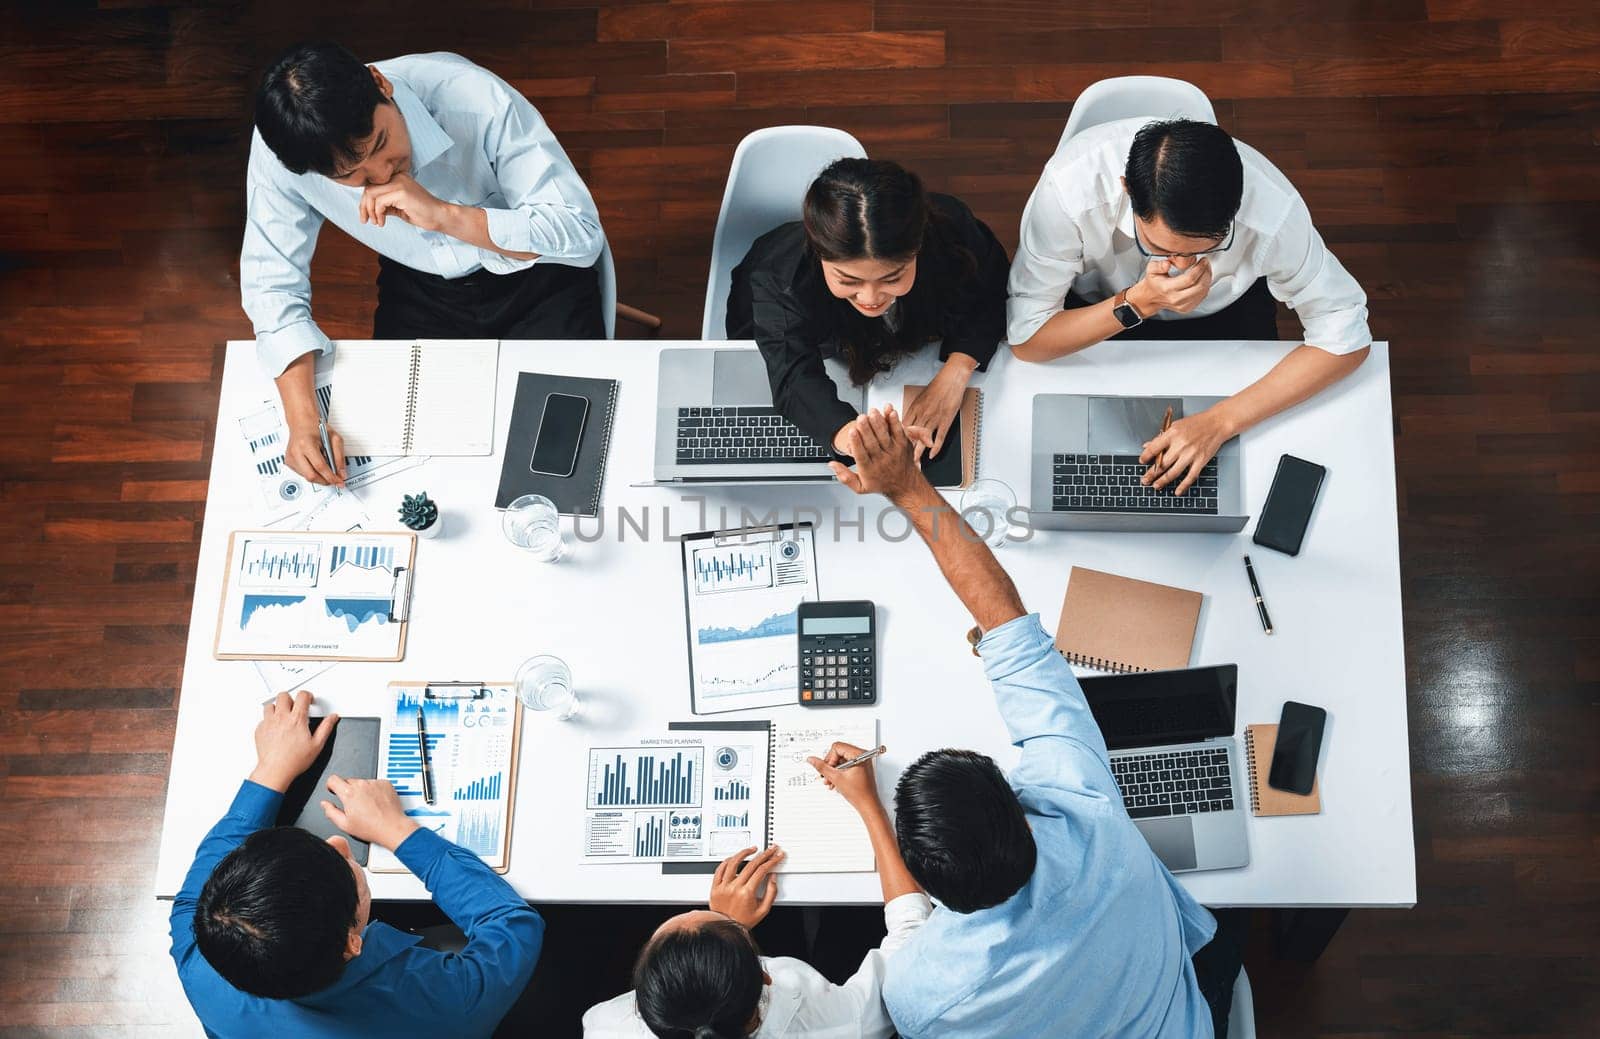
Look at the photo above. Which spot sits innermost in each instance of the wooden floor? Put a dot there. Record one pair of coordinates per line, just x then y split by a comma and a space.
1448, 150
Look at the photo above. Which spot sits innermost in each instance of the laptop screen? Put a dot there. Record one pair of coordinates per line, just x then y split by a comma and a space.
1155, 708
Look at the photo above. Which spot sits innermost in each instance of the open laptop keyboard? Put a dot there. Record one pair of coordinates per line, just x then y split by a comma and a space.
744, 435
1183, 782
1110, 483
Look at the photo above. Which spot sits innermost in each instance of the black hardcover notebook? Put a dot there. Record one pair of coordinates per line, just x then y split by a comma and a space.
944, 468
350, 753
575, 495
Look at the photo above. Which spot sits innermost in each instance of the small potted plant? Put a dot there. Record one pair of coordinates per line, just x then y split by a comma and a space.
420, 514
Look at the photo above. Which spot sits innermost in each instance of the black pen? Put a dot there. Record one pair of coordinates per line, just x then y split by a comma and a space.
427, 764
1261, 604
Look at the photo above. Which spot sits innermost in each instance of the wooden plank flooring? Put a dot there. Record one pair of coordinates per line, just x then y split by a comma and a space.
1447, 148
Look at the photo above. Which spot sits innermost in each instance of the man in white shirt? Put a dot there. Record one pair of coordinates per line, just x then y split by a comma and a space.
482, 226
1173, 230
701, 974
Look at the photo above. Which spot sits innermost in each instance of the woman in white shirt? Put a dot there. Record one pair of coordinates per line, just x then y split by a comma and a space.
701, 975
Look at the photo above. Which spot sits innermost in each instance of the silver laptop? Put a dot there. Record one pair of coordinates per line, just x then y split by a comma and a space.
1086, 468
1170, 734
715, 422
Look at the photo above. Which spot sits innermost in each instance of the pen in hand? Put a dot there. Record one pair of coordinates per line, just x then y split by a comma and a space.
861, 758
1255, 589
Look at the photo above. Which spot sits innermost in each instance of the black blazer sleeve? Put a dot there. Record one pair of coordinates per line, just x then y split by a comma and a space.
978, 325
763, 307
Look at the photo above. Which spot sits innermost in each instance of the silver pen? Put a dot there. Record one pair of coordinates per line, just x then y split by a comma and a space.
861, 759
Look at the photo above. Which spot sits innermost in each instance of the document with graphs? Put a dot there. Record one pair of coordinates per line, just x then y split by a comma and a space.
315, 595
741, 591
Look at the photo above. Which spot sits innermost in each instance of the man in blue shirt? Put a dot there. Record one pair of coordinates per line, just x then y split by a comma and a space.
270, 931
1055, 917
482, 226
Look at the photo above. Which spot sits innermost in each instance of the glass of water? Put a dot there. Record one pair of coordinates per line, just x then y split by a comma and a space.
532, 523
544, 683
985, 506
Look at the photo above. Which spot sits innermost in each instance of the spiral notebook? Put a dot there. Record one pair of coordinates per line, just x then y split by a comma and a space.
956, 464
1113, 623
813, 824
579, 493
427, 397
1264, 798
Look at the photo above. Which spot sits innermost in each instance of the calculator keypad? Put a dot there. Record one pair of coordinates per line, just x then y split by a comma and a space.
837, 669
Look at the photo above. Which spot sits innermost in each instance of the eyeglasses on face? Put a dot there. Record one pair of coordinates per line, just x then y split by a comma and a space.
1148, 255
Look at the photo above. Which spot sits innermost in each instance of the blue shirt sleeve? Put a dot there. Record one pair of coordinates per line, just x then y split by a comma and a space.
280, 235
1044, 710
504, 933
254, 808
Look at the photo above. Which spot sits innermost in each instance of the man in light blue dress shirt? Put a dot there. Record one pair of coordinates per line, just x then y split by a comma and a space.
482, 226
1054, 918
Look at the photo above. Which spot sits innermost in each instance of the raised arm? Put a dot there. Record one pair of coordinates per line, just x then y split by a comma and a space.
885, 464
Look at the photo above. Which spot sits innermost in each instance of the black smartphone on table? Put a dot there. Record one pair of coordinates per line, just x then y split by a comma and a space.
555, 447
1283, 521
1299, 744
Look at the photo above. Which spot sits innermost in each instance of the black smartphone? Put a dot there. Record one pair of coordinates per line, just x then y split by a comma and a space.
1294, 756
1282, 525
555, 447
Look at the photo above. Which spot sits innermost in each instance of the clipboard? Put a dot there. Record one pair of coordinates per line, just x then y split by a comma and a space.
476, 780
316, 595
741, 592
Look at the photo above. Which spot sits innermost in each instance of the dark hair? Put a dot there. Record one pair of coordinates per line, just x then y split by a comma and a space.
962, 830
875, 209
1188, 173
315, 107
275, 914
699, 984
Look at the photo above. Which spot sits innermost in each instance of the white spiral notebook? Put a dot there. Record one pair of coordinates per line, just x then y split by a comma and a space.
427, 397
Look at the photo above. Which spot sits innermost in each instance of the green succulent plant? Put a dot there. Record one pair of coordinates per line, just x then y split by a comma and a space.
418, 512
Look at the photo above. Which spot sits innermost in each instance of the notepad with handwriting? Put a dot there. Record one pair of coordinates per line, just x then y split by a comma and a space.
427, 397
1265, 799
1114, 623
816, 826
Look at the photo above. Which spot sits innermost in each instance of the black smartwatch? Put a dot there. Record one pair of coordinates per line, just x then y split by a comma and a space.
1125, 313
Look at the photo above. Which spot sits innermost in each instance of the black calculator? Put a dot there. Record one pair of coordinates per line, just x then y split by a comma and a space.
838, 654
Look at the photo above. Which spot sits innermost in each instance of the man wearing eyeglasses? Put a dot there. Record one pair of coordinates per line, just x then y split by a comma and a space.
1173, 230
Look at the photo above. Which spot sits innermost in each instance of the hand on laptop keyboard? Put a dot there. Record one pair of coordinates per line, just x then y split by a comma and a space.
1181, 453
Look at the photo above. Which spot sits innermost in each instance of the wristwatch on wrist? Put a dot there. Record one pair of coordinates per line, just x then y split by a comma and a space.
1125, 313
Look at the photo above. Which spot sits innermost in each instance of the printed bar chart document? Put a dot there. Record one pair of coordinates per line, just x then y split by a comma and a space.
474, 733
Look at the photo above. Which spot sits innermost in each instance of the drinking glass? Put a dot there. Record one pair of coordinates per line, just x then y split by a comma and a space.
984, 506
544, 683
532, 523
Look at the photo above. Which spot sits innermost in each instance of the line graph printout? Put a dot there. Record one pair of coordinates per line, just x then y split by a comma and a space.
742, 590
471, 747
651, 799
314, 596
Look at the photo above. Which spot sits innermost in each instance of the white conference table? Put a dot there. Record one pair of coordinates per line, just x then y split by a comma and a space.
614, 611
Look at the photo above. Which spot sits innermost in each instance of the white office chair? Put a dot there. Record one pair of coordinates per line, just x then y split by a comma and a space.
767, 182
1242, 1018
1125, 97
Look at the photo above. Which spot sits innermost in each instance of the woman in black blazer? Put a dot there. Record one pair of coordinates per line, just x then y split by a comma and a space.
876, 270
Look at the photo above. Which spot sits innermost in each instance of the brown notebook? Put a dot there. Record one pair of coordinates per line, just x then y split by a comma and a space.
956, 464
1113, 623
1265, 799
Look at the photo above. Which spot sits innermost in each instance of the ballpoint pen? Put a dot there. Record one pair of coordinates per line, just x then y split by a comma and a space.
861, 759
427, 762
1255, 589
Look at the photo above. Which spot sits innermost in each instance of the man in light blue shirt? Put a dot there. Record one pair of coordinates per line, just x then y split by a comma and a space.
1055, 918
482, 226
